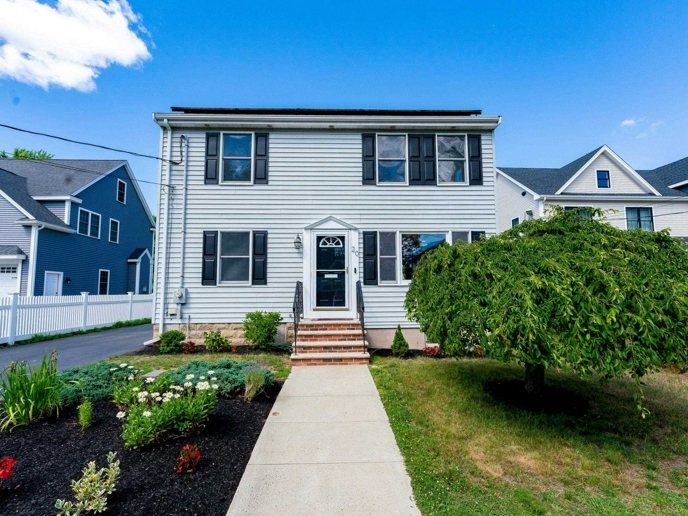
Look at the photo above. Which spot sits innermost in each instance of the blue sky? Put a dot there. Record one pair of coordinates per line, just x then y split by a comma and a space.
565, 78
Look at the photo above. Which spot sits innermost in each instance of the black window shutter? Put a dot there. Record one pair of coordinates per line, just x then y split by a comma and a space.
212, 157
475, 160
261, 159
476, 235
370, 257
209, 258
260, 258
421, 153
369, 176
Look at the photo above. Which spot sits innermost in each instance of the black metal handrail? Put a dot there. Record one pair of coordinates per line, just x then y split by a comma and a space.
360, 310
297, 309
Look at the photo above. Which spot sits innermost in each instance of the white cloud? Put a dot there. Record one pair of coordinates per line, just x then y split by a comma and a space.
638, 127
67, 44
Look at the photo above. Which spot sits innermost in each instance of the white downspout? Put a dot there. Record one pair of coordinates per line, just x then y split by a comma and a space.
182, 250
164, 236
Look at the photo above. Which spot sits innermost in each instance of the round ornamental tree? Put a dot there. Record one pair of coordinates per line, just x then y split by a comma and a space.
570, 291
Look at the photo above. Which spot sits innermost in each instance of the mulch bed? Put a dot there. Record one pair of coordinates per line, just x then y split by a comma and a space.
53, 452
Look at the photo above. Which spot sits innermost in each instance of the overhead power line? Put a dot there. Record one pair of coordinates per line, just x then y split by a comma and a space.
89, 144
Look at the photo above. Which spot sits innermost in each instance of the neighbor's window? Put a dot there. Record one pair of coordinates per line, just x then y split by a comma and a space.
121, 191
388, 257
391, 161
639, 218
89, 223
451, 158
414, 246
603, 180
103, 282
236, 157
114, 231
235, 256
515, 222
584, 212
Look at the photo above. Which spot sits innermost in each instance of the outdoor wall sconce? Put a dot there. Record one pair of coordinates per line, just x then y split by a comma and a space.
529, 214
298, 244
68, 280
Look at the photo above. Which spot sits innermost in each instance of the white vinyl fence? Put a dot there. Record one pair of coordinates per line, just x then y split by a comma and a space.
22, 317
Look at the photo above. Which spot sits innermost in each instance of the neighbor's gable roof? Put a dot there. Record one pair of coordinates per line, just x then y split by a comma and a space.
14, 189
66, 177
550, 181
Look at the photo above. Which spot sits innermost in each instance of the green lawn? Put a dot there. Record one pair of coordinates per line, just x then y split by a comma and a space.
468, 453
278, 363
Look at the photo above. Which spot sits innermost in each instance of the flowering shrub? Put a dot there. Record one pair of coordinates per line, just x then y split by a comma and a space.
92, 490
230, 376
431, 351
6, 466
158, 409
94, 382
188, 461
189, 347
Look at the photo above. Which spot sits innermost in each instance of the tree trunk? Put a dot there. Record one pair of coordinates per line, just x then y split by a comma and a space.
535, 379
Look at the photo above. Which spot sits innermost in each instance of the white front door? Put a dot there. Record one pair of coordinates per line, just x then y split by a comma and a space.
9, 278
52, 285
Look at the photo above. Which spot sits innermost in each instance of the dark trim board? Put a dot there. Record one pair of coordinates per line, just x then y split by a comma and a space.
325, 112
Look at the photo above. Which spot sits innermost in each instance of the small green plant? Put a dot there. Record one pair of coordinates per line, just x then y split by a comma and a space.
260, 328
95, 382
214, 341
92, 490
171, 341
256, 378
85, 412
229, 375
28, 393
399, 345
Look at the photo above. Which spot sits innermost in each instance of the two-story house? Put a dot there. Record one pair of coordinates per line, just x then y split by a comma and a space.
648, 199
342, 203
71, 226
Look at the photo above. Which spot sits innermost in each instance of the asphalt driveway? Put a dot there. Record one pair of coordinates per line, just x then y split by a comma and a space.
81, 350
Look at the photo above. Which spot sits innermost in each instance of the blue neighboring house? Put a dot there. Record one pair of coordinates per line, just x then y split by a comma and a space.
71, 226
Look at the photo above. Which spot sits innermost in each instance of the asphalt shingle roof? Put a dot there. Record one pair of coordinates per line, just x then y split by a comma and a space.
16, 188
10, 250
547, 181
58, 176
137, 253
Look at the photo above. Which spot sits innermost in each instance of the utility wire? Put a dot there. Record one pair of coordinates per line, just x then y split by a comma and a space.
89, 144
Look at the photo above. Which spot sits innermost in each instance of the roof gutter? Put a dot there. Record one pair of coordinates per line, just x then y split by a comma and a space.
45, 225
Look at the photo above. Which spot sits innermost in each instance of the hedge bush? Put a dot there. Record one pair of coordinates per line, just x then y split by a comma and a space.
171, 341
260, 328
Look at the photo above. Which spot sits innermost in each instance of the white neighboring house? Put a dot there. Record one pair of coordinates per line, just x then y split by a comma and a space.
649, 199
327, 197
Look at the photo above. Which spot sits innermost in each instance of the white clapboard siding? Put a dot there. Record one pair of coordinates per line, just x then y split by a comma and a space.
511, 203
312, 175
32, 315
622, 182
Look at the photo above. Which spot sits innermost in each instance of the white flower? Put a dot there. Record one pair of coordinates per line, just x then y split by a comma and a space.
165, 400
158, 398
147, 413
177, 395
189, 376
135, 389
130, 377
130, 367
202, 386
201, 378
150, 380
123, 365
188, 384
215, 386
113, 369
213, 379
210, 373
121, 415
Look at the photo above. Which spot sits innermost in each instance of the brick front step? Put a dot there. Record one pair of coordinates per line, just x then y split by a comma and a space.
320, 359
330, 346
329, 335
325, 325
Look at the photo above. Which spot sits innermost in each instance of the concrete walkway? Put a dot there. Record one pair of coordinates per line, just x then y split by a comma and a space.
80, 350
326, 448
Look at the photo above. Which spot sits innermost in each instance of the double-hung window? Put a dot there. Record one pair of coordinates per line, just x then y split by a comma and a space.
603, 179
391, 159
114, 231
103, 282
388, 257
121, 191
235, 256
237, 158
639, 218
89, 223
451, 159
